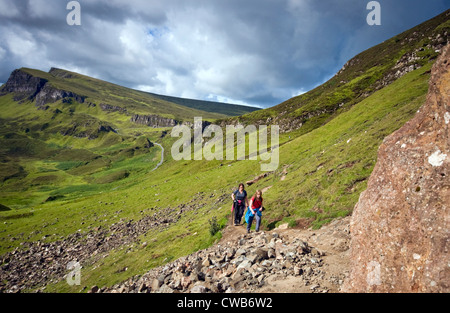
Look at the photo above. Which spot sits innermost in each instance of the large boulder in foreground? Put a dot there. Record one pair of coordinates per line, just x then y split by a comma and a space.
400, 226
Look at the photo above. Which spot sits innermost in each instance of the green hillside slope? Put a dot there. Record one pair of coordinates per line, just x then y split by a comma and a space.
64, 134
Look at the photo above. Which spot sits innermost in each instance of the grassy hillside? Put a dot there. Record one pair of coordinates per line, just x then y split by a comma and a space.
59, 185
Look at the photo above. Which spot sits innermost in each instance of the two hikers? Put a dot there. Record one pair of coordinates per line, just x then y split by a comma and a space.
254, 209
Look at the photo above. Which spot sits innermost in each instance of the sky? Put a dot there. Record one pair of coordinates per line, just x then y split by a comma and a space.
251, 52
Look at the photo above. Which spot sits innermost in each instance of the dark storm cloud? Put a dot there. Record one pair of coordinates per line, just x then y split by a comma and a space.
258, 52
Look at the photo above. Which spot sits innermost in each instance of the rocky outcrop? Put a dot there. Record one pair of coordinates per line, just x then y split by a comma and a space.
50, 94
90, 128
155, 121
411, 60
23, 85
400, 226
197, 124
28, 87
112, 108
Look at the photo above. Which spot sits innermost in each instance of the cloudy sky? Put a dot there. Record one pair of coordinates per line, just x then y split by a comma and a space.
255, 52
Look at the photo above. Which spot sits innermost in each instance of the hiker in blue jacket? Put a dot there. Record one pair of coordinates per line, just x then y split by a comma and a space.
240, 202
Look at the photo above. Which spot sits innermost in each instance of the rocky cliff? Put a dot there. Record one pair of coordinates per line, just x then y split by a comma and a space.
157, 121
400, 226
50, 94
25, 86
154, 121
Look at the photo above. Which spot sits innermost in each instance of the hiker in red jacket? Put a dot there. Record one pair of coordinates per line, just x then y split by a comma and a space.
240, 202
255, 210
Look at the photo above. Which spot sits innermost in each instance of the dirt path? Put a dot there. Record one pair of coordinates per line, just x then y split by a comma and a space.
331, 240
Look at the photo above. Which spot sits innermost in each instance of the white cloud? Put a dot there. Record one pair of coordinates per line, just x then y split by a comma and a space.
135, 43
23, 46
44, 8
8, 9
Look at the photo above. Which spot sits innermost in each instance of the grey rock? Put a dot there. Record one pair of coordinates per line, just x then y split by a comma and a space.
165, 289
198, 289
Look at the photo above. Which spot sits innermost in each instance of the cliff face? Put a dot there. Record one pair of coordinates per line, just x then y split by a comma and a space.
154, 121
23, 85
157, 121
28, 87
400, 226
50, 94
